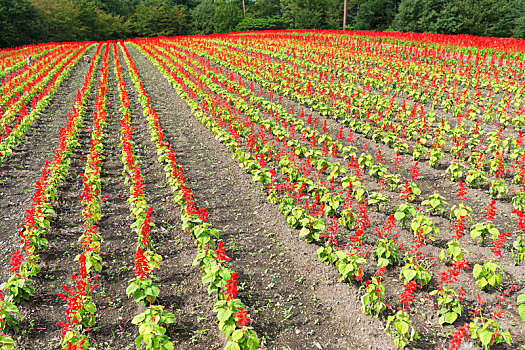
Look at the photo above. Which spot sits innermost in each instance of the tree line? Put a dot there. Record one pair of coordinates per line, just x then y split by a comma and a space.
33, 21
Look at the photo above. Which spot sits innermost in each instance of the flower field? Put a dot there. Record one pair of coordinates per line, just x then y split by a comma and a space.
264, 190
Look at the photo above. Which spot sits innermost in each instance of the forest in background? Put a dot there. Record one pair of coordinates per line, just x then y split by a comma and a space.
34, 21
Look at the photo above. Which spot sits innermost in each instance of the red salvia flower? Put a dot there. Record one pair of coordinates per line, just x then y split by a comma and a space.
414, 172
459, 226
380, 158
16, 260
462, 191
221, 252
241, 317
458, 336
405, 191
397, 163
141, 264
490, 211
340, 133
408, 294
231, 286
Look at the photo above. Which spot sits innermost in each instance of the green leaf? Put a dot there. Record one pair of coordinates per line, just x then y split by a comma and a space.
450, 317
409, 274
223, 315
485, 337
232, 346
399, 215
477, 270
237, 335
521, 310
138, 319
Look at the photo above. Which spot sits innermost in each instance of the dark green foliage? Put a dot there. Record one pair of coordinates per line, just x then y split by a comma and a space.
375, 15
202, 17
265, 8
265, 23
17, 25
158, 18
312, 14
499, 18
227, 15
429, 16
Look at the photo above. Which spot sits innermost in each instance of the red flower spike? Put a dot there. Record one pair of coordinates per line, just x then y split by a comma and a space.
241, 317
221, 252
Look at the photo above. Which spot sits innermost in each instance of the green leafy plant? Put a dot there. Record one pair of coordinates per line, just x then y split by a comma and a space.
489, 332
387, 252
498, 188
326, 254
453, 252
484, 229
476, 177
424, 226
152, 334
376, 198
143, 290
518, 250
449, 306
348, 265
373, 301
414, 271
435, 204
487, 276
457, 212
521, 306
435, 155
400, 327
9, 316
405, 213
456, 170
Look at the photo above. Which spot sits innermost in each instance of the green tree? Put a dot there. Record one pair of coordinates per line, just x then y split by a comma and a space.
123, 8
227, 15
60, 20
157, 18
519, 22
488, 17
309, 14
19, 23
202, 17
265, 8
439, 16
375, 15
334, 14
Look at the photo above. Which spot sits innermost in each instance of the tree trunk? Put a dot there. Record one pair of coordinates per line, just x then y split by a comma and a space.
344, 15
244, 9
